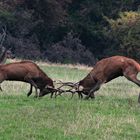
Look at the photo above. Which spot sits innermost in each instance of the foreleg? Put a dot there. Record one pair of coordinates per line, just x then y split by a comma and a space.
30, 92
29, 80
91, 92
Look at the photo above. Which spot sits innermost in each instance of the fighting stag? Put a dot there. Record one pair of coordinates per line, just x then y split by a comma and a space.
104, 71
29, 72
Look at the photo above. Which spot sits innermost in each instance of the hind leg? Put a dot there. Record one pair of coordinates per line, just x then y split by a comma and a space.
132, 76
133, 79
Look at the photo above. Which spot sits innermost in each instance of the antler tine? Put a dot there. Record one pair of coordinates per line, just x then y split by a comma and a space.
61, 82
70, 84
69, 90
55, 90
72, 92
60, 90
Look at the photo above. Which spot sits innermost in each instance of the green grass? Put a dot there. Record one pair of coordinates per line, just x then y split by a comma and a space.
113, 115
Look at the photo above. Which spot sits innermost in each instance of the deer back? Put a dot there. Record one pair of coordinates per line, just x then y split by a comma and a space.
20, 70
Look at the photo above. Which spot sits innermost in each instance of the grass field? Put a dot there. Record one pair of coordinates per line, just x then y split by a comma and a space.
113, 115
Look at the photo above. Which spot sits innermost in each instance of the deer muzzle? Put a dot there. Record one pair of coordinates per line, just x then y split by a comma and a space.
48, 89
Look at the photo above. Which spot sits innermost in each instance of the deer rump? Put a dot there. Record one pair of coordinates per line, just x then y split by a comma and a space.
29, 72
104, 71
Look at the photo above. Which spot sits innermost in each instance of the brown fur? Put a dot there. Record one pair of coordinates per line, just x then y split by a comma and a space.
107, 69
25, 71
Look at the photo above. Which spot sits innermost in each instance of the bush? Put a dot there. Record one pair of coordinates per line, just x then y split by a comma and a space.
125, 31
70, 50
24, 48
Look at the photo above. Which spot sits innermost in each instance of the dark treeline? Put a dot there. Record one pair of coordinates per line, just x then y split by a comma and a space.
71, 31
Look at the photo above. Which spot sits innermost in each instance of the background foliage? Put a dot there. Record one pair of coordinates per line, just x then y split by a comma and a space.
38, 29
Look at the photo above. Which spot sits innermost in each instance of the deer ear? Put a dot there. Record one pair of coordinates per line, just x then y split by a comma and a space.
81, 88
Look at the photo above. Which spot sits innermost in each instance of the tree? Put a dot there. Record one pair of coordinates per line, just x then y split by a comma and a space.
126, 32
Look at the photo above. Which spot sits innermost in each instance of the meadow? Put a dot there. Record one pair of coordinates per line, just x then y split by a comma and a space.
113, 115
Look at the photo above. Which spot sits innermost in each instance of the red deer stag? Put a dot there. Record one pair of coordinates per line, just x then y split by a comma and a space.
27, 71
104, 71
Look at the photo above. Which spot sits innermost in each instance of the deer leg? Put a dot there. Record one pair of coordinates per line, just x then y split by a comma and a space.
132, 77
36, 92
134, 80
30, 92
28, 79
91, 93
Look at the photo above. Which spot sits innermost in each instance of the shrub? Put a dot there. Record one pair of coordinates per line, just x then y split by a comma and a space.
125, 31
69, 50
24, 48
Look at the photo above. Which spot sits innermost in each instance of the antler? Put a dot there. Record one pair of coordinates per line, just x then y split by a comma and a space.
73, 88
70, 84
71, 91
59, 90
